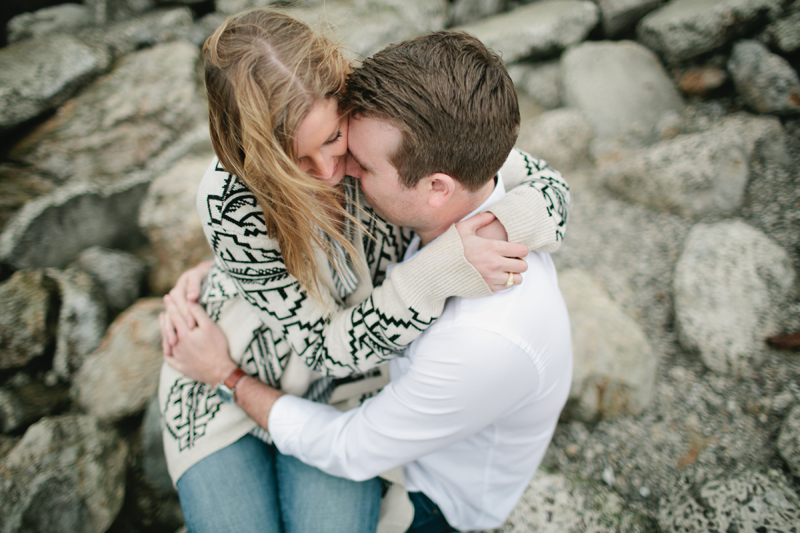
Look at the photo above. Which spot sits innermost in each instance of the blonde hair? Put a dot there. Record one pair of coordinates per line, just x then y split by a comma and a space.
264, 72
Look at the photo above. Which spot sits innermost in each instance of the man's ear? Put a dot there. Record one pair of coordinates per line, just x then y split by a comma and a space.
441, 188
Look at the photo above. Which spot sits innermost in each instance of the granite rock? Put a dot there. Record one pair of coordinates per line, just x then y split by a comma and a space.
789, 440
561, 137
619, 16
120, 377
730, 282
541, 81
766, 81
118, 273
62, 18
27, 321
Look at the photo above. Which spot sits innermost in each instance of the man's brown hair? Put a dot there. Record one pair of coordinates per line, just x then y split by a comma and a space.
451, 98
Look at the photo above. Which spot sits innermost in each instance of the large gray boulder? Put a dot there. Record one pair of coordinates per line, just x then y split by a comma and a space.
123, 120
766, 81
789, 440
541, 81
748, 501
622, 90
154, 460
684, 29
118, 273
367, 27
22, 405
38, 75
27, 325
614, 366
122, 375
786, 32
113, 10
82, 319
730, 282
621, 15
464, 11
18, 186
67, 474
702, 173
169, 218
536, 30
143, 31
62, 18
53, 229
561, 137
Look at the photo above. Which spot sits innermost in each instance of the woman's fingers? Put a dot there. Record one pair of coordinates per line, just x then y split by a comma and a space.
176, 317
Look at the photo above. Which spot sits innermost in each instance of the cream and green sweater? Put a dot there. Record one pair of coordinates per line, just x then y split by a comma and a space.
279, 334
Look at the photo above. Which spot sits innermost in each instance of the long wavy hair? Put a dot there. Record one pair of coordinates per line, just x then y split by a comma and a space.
264, 71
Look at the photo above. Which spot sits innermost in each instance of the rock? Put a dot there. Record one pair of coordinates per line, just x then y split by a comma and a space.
538, 30
786, 32
114, 10
82, 319
691, 175
18, 186
53, 229
700, 81
554, 503
27, 321
621, 15
118, 273
57, 19
123, 120
766, 81
367, 27
23, 405
154, 461
229, 7
464, 11
67, 474
729, 283
789, 440
614, 366
169, 218
622, 90
145, 31
561, 137
750, 501
684, 29
38, 75
540, 81
122, 375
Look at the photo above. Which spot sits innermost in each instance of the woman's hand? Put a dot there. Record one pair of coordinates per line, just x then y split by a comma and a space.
485, 247
186, 291
201, 353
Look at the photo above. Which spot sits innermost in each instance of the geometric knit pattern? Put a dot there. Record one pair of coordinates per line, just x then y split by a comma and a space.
248, 264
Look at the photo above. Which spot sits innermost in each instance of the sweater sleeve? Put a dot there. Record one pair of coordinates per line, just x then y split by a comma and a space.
536, 208
330, 339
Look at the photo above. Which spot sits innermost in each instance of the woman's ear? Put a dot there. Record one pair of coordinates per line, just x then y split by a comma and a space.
441, 188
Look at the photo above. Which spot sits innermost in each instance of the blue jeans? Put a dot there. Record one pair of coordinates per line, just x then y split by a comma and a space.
428, 518
251, 486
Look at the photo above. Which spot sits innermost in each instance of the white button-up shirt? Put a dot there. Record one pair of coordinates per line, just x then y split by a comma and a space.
469, 411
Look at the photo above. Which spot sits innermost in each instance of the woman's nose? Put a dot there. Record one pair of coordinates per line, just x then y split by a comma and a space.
321, 167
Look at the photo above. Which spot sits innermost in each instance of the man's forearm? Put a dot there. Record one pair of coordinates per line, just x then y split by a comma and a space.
257, 399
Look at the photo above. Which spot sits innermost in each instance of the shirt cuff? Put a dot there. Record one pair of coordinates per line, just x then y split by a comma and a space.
286, 420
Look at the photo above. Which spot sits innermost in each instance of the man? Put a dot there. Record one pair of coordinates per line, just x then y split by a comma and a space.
473, 403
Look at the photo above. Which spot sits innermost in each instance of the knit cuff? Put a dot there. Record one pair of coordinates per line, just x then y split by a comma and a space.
524, 214
438, 271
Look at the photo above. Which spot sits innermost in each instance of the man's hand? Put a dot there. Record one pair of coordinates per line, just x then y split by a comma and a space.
201, 353
485, 247
186, 290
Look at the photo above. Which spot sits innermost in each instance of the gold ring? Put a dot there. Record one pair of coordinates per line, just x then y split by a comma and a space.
510, 281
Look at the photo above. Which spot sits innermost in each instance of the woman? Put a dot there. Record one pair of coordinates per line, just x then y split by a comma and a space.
292, 247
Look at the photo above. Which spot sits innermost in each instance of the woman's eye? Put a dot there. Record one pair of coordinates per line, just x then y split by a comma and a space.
338, 136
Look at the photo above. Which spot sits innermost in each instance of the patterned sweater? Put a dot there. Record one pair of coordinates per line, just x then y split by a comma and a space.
280, 335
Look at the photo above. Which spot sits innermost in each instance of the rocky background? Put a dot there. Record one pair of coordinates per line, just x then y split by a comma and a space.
676, 123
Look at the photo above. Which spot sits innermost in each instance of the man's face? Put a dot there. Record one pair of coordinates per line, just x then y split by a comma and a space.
372, 143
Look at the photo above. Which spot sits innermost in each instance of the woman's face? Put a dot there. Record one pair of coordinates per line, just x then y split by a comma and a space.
321, 142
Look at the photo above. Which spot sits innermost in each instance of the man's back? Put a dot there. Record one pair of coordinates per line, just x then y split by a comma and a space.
494, 373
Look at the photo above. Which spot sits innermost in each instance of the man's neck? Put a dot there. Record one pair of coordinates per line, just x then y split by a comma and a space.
462, 206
